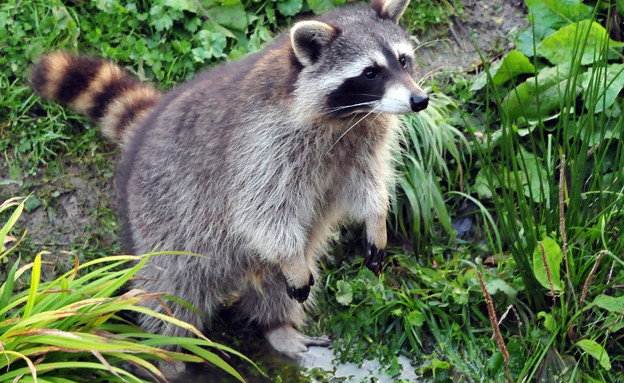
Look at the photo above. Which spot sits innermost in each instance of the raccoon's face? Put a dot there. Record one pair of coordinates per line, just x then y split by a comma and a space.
356, 61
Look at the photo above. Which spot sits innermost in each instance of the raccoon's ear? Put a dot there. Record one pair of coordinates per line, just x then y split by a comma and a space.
390, 9
309, 38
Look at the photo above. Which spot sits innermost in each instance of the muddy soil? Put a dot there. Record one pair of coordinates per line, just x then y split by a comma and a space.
71, 209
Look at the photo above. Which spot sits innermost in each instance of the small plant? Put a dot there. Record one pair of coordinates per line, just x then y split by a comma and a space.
71, 328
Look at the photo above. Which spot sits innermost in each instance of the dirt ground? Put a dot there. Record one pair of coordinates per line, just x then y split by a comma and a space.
71, 205
485, 25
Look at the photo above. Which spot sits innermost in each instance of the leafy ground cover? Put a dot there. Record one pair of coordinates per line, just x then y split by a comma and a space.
507, 213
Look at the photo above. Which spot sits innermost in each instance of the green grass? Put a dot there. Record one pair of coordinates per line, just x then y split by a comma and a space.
423, 16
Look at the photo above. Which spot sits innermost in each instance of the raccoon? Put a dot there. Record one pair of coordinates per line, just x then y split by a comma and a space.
255, 162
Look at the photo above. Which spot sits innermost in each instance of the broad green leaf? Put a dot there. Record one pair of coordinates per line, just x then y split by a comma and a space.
159, 18
460, 295
554, 256
538, 99
31, 204
289, 7
534, 175
270, 12
609, 303
619, 5
416, 318
344, 295
482, 186
564, 46
320, 6
496, 363
231, 16
512, 65
212, 40
602, 85
530, 38
182, 5
549, 321
598, 352
106, 5
495, 285
557, 13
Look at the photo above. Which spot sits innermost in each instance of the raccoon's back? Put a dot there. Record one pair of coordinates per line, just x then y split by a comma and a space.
180, 170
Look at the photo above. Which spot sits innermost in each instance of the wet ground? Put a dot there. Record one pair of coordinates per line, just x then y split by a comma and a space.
76, 207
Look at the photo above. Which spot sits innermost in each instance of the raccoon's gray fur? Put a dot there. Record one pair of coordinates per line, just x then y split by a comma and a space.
254, 163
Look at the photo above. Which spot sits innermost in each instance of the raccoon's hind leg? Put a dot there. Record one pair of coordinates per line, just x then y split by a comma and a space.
267, 303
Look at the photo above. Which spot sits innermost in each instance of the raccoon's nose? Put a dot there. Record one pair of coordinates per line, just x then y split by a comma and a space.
418, 102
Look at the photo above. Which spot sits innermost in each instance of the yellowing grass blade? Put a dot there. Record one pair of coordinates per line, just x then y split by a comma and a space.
70, 366
31, 367
34, 285
10, 223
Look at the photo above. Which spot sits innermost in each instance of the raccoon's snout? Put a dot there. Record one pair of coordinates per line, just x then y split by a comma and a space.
418, 102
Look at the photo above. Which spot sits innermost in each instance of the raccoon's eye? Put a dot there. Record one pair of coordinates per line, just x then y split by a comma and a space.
403, 61
370, 73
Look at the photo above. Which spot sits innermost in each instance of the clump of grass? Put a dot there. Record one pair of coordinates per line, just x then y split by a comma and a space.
71, 330
430, 153
562, 224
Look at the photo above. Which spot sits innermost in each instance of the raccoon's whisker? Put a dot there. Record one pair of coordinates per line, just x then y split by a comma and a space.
377, 115
351, 127
350, 106
354, 112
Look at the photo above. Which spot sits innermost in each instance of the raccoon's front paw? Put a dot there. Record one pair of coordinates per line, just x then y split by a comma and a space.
300, 294
374, 258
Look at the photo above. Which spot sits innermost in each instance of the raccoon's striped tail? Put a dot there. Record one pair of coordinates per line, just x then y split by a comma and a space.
96, 88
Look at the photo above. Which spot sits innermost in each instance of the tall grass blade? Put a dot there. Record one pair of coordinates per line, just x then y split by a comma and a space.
10, 223
7, 288
214, 359
34, 285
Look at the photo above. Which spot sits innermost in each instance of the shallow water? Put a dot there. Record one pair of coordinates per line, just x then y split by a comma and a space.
323, 357
279, 368
282, 369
